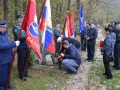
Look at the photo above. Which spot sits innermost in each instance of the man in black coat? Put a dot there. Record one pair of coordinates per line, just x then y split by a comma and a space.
91, 36
83, 34
71, 60
72, 41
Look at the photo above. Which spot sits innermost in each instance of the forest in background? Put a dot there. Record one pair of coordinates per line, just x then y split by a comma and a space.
99, 11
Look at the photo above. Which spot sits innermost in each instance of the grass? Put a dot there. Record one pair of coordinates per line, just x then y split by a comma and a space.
97, 81
40, 80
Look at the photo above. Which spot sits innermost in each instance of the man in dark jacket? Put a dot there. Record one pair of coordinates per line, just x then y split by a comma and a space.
71, 60
72, 41
91, 36
6, 53
23, 48
83, 34
108, 51
117, 46
57, 34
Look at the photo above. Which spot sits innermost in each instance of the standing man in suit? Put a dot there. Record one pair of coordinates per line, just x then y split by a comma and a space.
91, 36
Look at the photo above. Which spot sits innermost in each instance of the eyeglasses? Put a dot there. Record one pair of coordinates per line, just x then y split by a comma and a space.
3, 26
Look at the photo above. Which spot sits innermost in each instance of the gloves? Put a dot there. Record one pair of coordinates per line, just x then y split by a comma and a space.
61, 35
17, 43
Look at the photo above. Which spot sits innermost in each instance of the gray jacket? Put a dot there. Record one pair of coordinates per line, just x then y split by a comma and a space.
109, 43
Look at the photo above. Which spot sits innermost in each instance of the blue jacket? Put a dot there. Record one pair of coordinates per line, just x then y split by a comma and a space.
57, 34
6, 50
16, 30
73, 53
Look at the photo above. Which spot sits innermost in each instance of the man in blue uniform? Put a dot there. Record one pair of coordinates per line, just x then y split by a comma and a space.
6, 53
22, 49
71, 59
117, 46
57, 34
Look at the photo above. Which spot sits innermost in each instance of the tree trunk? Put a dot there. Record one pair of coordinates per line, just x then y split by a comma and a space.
69, 2
5, 9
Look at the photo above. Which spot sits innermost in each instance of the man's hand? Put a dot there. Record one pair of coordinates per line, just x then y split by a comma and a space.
62, 54
87, 38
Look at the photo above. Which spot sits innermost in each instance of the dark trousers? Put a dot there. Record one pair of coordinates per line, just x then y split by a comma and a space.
4, 70
117, 58
107, 67
90, 52
22, 58
83, 44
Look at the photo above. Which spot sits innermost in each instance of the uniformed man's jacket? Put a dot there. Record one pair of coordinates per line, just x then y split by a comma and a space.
73, 53
16, 30
108, 45
117, 44
84, 33
57, 34
6, 50
92, 33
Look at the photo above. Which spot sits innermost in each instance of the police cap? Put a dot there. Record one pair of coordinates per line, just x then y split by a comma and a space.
2, 22
20, 16
117, 23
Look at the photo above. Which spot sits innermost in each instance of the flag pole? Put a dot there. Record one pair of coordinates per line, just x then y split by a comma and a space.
41, 11
13, 58
26, 63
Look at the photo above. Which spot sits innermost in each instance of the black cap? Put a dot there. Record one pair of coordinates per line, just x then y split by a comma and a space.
2, 22
20, 16
116, 23
91, 23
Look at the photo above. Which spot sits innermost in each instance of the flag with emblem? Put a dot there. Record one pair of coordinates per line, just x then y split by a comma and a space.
30, 25
47, 38
81, 19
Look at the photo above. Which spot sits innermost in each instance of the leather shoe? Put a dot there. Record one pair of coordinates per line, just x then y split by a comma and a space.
24, 79
11, 87
109, 77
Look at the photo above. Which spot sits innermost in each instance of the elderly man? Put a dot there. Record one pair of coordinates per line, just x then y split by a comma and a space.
91, 36
71, 60
117, 46
6, 53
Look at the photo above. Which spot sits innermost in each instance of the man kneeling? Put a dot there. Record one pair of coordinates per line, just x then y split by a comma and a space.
71, 59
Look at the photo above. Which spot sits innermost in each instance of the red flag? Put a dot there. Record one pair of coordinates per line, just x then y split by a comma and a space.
72, 23
31, 27
66, 31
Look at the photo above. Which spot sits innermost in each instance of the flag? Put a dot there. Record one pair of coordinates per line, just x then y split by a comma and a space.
46, 27
81, 19
72, 24
66, 31
30, 25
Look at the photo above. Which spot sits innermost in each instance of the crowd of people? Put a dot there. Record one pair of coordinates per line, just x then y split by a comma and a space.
67, 48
